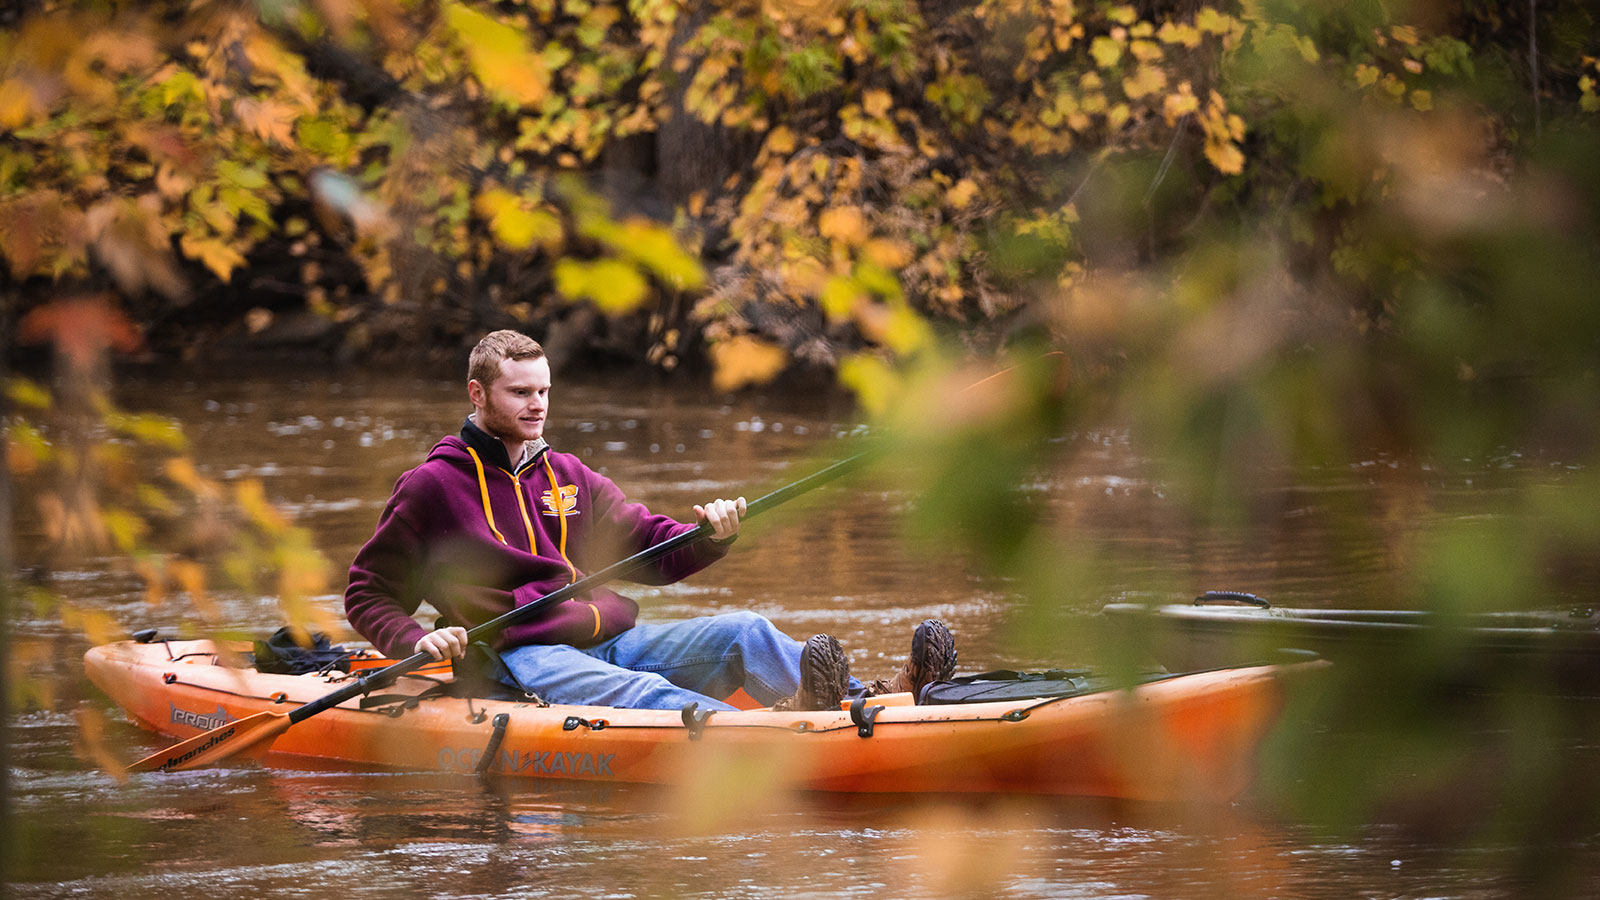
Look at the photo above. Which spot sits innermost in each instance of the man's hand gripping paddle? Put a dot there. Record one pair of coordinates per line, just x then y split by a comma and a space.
239, 735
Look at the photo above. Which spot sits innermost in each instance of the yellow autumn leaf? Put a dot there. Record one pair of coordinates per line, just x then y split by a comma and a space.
845, 224
267, 119
522, 228
1180, 104
839, 297
516, 227
959, 196
780, 142
267, 55
91, 743
875, 384
501, 59
1209, 20
1225, 157
876, 102
1422, 100
1118, 116
16, 103
1367, 76
1106, 51
889, 254
1187, 35
1145, 81
744, 360
1146, 51
125, 528
99, 627
190, 577
906, 331
656, 249
182, 471
1405, 34
1123, 15
251, 497
213, 254
22, 392
615, 286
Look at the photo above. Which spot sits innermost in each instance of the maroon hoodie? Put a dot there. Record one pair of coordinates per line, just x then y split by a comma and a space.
475, 538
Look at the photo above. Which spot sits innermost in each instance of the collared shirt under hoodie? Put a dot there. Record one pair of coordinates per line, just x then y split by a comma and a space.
475, 537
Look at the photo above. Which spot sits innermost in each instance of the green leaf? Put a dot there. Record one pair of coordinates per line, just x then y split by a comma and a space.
323, 137
250, 178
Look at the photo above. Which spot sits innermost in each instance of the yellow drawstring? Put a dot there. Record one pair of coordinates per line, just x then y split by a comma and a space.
483, 489
522, 507
560, 504
557, 502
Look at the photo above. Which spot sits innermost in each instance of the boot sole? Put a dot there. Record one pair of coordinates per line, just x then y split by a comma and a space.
933, 656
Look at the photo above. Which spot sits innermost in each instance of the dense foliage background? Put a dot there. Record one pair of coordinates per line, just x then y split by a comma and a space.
811, 184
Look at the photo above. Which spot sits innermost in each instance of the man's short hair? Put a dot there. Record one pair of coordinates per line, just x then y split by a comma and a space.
483, 366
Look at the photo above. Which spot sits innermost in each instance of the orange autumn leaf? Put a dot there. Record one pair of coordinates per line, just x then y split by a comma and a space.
1226, 157
81, 328
267, 119
845, 224
744, 360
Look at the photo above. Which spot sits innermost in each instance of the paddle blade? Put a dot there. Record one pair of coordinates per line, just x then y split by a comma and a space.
217, 744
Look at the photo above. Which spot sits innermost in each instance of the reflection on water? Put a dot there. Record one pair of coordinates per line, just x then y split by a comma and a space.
244, 830
328, 450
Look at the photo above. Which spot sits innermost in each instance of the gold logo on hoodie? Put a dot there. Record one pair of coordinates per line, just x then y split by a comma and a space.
569, 501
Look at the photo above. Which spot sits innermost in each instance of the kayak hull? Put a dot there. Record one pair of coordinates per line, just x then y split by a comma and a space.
1191, 737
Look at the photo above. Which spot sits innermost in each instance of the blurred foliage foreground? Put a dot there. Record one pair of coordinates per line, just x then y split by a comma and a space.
1271, 237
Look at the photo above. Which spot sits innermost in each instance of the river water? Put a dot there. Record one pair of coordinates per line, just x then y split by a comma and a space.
327, 450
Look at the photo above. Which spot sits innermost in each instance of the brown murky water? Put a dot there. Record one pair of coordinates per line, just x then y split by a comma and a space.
328, 450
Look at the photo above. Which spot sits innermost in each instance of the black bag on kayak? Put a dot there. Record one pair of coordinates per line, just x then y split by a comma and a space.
1005, 684
281, 654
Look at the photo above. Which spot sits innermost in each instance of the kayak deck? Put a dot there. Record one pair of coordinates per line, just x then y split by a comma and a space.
1182, 738
1549, 652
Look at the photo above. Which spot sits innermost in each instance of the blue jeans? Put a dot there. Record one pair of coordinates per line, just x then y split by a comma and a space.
666, 666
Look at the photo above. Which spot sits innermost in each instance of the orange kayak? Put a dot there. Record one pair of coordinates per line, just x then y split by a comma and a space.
1187, 737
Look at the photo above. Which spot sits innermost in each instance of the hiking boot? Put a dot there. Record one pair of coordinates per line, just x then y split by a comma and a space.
824, 676
933, 658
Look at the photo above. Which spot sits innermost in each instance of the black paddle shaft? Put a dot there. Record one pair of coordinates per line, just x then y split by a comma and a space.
389, 674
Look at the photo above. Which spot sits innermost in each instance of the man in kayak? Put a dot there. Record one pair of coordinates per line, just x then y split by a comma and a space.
495, 519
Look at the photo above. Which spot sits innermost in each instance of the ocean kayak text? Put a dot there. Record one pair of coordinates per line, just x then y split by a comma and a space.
538, 763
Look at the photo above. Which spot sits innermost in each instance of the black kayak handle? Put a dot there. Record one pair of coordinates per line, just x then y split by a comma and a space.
1231, 597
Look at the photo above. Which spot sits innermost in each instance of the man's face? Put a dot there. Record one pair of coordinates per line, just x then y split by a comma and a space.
513, 409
